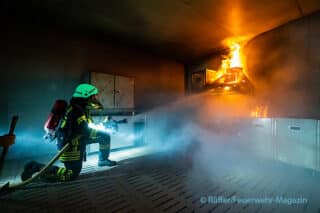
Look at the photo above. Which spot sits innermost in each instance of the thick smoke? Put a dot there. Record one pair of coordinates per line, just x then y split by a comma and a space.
204, 122
211, 133
283, 67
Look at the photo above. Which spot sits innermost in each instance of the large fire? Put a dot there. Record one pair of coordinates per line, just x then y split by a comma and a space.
231, 76
231, 72
235, 59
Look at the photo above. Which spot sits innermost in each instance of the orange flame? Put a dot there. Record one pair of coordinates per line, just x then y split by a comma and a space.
260, 112
235, 60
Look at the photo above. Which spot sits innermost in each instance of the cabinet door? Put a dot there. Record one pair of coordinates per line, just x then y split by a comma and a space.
124, 92
260, 133
105, 84
296, 141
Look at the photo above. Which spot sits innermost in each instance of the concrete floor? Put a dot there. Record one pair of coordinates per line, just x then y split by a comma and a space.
159, 182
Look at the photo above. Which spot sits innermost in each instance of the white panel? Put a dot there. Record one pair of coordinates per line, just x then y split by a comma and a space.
262, 137
105, 84
296, 141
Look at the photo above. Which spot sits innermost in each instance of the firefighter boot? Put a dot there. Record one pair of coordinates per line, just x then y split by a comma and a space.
104, 159
29, 169
107, 162
104, 151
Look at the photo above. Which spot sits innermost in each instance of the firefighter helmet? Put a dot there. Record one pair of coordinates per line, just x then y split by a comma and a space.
85, 91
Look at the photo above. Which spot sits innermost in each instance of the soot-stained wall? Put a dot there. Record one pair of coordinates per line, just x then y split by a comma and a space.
42, 65
284, 65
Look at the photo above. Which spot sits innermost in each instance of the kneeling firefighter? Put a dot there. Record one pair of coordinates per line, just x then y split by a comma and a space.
75, 131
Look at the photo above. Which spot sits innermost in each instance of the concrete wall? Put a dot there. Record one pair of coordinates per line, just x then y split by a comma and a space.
40, 65
285, 67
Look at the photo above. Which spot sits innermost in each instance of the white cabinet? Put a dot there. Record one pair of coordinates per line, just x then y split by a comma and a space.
289, 140
130, 134
261, 136
115, 92
296, 141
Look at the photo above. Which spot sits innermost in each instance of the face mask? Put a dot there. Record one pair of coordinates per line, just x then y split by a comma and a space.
93, 103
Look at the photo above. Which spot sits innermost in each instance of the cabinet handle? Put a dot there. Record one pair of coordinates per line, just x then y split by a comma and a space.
259, 125
295, 128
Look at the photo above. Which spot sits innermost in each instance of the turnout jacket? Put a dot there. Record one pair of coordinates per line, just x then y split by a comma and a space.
74, 130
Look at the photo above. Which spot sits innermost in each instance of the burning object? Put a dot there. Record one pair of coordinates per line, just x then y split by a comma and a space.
230, 77
231, 80
260, 112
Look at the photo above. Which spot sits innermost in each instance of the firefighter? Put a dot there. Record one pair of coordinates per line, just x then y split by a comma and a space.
75, 131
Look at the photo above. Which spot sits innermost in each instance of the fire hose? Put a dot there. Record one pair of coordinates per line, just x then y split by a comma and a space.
7, 188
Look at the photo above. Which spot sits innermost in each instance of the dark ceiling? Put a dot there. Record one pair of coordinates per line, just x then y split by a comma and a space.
179, 29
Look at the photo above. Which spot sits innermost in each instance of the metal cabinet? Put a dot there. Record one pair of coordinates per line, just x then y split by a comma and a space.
296, 141
124, 92
261, 132
292, 141
130, 134
114, 91
105, 84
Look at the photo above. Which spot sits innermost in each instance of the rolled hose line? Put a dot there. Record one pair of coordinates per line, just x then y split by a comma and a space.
6, 188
